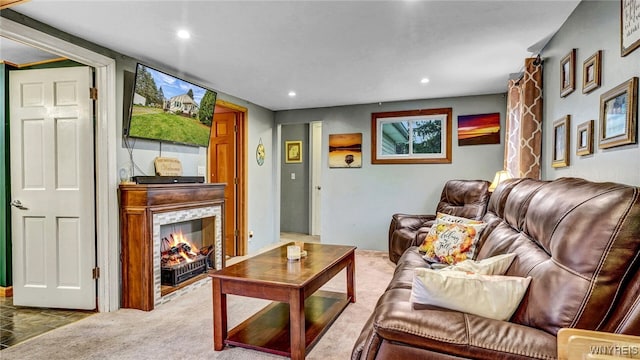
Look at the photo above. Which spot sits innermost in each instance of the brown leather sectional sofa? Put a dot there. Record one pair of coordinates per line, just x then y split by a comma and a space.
580, 243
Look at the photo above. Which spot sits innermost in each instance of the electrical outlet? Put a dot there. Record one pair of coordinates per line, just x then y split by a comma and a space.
201, 170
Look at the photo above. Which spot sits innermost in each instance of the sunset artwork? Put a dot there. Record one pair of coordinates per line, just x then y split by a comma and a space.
345, 150
479, 129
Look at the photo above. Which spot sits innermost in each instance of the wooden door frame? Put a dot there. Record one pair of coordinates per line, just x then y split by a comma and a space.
241, 164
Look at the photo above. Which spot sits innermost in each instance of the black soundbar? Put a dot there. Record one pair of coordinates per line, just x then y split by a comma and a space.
168, 179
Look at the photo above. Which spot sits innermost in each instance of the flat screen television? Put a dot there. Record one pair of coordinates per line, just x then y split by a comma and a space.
166, 108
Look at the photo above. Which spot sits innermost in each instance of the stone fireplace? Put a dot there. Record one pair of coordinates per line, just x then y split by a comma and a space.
146, 211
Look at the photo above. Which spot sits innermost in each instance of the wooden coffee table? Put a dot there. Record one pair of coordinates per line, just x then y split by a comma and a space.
300, 313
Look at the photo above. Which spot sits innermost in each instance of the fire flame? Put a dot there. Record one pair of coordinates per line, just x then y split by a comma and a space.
177, 249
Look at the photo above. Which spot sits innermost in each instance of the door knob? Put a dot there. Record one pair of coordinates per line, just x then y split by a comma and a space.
18, 204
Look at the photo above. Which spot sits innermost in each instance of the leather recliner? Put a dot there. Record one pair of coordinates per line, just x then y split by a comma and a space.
465, 198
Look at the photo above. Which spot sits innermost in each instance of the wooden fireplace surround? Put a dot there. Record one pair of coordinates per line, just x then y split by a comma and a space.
138, 203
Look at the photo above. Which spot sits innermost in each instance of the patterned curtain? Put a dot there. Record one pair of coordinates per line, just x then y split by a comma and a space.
523, 135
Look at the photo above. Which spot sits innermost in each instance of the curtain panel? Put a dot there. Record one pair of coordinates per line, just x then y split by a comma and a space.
523, 134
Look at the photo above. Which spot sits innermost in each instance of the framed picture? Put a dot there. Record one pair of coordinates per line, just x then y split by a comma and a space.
629, 26
293, 151
411, 137
591, 72
479, 129
568, 73
618, 115
561, 142
345, 150
584, 138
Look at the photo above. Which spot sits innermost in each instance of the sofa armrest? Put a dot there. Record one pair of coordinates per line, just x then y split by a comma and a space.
413, 222
455, 333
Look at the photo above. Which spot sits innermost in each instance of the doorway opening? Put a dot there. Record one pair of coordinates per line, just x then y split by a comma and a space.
300, 183
227, 163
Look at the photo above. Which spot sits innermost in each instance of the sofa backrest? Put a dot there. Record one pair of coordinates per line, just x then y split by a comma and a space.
465, 198
580, 243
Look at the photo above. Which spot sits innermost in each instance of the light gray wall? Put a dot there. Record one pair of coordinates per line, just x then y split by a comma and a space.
294, 197
593, 26
357, 203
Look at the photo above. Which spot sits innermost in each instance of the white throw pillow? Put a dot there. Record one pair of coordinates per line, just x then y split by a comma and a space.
495, 265
492, 296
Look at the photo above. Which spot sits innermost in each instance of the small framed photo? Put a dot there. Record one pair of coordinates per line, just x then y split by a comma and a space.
293, 151
584, 138
618, 115
561, 142
591, 72
568, 73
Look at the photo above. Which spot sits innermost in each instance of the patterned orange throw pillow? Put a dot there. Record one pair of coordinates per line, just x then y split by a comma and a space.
451, 242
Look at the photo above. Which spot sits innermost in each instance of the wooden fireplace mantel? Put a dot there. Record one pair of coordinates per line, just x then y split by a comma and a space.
138, 203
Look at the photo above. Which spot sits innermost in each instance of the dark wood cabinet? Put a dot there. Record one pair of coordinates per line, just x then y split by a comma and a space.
138, 204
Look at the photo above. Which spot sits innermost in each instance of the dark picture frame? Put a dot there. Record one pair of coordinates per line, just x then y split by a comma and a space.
568, 73
629, 26
584, 138
561, 141
592, 72
412, 136
618, 115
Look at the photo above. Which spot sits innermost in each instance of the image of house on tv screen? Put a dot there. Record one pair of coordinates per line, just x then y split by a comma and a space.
167, 108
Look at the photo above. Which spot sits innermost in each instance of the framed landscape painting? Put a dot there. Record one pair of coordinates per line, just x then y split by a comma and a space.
584, 138
345, 150
561, 142
479, 129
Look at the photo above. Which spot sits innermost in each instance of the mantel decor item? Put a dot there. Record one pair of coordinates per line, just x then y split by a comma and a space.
629, 26
568, 73
591, 72
561, 139
345, 150
293, 151
260, 153
584, 138
411, 137
618, 115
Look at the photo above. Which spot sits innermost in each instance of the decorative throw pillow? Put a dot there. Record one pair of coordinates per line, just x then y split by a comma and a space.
495, 265
450, 242
492, 296
456, 219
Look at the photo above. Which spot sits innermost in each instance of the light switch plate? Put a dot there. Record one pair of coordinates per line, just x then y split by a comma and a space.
293, 176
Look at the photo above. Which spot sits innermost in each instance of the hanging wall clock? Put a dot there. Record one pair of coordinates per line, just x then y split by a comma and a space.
260, 153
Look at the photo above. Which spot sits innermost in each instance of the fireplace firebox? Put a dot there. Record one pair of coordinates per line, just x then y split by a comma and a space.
152, 273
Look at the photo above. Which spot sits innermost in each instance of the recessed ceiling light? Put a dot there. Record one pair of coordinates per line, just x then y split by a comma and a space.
424, 81
183, 34
292, 94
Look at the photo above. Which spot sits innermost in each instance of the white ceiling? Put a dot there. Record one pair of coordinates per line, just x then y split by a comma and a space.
329, 52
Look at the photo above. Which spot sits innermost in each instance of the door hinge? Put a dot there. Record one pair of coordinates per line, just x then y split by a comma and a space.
235, 128
235, 181
93, 93
96, 272
236, 233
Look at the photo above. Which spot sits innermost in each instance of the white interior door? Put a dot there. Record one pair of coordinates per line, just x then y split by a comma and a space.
52, 188
316, 176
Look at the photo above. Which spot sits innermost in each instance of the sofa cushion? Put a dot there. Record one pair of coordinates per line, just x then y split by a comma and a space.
492, 296
495, 265
451, 242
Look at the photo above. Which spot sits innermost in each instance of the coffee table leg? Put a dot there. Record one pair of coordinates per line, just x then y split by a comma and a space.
351, 273
219, 316
297, 325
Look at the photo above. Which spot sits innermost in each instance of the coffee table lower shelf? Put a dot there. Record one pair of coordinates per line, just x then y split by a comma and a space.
268, 330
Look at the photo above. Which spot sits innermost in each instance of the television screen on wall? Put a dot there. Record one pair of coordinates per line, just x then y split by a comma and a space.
166, 108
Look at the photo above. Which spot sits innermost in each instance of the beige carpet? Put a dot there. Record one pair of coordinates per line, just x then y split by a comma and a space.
182, 328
